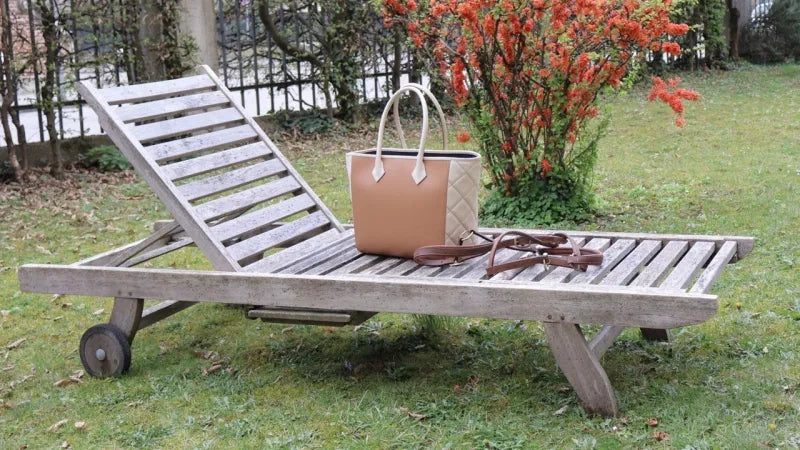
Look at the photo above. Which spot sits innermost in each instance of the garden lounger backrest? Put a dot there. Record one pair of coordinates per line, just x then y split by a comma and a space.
222, 179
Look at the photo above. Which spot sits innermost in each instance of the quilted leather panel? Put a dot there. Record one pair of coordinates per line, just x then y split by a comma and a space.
462, 199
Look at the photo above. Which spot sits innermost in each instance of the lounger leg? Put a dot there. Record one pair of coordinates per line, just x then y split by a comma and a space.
581, 367
126, 315
655, 334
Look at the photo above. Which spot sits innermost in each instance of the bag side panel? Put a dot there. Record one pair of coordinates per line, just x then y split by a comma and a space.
463, 184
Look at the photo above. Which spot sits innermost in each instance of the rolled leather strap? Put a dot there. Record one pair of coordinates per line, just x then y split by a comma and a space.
544, 249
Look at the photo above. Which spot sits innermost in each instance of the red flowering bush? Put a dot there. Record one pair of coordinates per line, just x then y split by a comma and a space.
530, 74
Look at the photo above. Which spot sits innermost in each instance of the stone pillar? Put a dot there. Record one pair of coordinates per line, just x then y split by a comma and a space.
199, 21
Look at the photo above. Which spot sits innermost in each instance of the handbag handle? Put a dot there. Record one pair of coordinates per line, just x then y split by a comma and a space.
418, 174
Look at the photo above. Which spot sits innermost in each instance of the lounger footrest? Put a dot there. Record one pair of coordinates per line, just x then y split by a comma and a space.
301, 316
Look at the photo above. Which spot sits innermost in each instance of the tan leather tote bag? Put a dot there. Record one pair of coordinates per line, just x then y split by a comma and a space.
405, 199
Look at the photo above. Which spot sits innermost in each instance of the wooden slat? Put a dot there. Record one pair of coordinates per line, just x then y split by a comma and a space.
287, 256
244, 199
180, 209
171, 106
202, 142
680, 277
259, 218
659, 266
196, 122
329, 264
510, 274
604, 339
458, 270
277, 236
198, 189
263, 136
300, 316
714, 268
744, 243
569, 303
155, 253
207, 163
318, 256
382, 266
403, 268
159, 89
357, 265
628, 268
611, 257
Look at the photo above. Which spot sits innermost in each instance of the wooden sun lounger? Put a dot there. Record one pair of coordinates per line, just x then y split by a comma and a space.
277, 248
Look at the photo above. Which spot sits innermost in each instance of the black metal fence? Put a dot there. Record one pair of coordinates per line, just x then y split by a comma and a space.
250, 62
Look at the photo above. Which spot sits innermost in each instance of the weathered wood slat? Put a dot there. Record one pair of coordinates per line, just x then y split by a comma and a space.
171, 106
232, 179
461, 269
158, 89
511, 274
714, 268
259, 218
180, 209
338, 260
196, 122
277, 236
207, 163
300, 316
404, 268
278, 155
611, 257
357, 265
382, 266
244, 199
612, 305
202, 142
538, 271
426, 271
744, 247
680, 277
628, 268
318, 256
659, 266
160, 251
276, 261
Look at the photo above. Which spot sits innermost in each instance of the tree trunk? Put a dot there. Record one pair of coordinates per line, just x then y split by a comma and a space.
50, 37
148, 40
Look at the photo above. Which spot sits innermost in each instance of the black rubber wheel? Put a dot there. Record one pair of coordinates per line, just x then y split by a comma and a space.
105, 351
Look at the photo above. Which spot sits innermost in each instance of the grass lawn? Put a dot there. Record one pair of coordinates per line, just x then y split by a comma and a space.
731, 382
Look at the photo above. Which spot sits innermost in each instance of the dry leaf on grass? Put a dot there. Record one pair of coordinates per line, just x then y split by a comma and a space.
16, 343
209, 355
414, 415
653, 422
65, 444
57, 425
43, 250
5, 313
661, 435
134, 404
99, 311
80, 425
561, 410
214, 367
65, 382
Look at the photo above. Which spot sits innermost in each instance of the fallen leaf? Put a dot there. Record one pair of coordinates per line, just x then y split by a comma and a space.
80, 425
99, 311
561, 410
653, 422
5, 405
16, 343
214, 367
9, 367
562, 389
661, 435
43, 250
209, 354
65, 382
57, 425
5, 313
134, 404
287, 330
65, 444
66, 305
414, 415
625, 420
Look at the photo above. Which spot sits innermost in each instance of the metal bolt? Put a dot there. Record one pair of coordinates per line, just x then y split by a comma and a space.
100, 354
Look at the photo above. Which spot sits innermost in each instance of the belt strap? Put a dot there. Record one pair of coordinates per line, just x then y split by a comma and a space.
544, 249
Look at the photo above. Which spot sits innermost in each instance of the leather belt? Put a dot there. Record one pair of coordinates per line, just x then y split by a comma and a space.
544, 249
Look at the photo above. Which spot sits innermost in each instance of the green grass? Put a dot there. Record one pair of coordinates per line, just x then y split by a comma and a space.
731, 382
